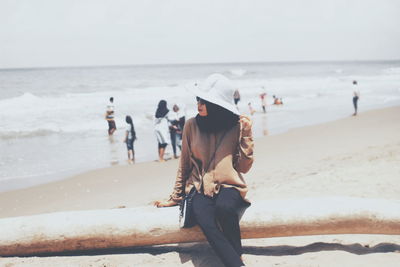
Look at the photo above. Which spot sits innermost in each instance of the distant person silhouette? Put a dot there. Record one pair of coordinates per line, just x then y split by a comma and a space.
177, 121
130, 137
251, 109
109, 116
356, 96
161, 127
236, 96
263, 97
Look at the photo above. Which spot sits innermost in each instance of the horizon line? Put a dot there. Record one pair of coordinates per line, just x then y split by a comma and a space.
199, 63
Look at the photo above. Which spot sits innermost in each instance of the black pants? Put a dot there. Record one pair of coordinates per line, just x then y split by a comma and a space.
218, 219
174, 139
355, 100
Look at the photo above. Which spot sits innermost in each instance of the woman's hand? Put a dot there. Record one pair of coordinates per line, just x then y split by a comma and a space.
165, 203
246, 123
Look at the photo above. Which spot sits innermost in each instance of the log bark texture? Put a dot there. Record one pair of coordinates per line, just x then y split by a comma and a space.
119, 228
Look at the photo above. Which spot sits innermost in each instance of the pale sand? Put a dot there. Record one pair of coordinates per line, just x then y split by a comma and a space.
357, 156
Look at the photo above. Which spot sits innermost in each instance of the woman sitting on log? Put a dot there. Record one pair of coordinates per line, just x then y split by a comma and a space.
217, 146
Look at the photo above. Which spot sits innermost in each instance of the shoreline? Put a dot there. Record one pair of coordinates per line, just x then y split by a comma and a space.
184, 64
261, 130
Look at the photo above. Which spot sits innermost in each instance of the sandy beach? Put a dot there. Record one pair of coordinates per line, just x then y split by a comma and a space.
355, 156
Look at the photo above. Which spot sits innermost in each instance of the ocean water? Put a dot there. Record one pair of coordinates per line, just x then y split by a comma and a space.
52, 119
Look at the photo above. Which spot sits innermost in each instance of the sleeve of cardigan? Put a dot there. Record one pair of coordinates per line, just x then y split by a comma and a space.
244, 158
185, 166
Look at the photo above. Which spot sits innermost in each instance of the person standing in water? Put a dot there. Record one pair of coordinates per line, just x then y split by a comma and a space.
130, 137
161, 127
109, 116
356, 96
263, 97
251, 109
217, 147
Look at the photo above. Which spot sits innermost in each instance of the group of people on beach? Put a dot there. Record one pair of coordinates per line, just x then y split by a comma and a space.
169, 125
168, 128
130, 133
279, 101
263, 97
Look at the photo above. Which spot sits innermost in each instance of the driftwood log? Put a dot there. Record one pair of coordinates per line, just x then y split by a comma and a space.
118, 228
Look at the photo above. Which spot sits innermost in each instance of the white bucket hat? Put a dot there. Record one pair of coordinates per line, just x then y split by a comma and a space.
218, 90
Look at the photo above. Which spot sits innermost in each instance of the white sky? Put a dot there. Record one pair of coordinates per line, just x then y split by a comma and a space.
38, 33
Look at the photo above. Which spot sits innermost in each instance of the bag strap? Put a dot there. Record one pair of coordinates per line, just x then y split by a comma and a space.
213, 156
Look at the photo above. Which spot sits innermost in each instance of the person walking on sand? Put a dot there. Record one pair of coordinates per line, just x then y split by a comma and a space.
130, 137
177, 121
217, 147
109, 116
161, 126
356, 96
